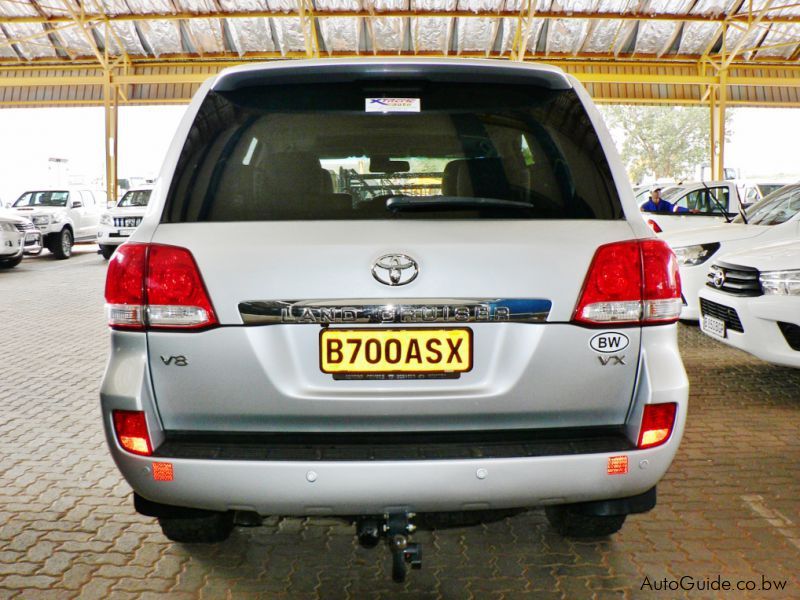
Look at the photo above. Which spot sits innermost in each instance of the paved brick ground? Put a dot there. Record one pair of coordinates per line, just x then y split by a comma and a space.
728, 507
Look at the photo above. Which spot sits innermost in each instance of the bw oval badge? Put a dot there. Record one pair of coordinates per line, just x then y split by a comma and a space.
609, 341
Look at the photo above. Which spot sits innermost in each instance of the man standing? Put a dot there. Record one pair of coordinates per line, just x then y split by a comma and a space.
659, 205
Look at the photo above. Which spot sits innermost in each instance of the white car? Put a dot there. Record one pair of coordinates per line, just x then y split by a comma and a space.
491, 343
752, 191
752, 302
18, 237
699, 204
12, 246
63, 216
774, 219
117, 225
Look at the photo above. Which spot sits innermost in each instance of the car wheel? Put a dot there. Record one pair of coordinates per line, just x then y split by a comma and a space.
62, 244
570, 523
10, 263
207, 529
107, 250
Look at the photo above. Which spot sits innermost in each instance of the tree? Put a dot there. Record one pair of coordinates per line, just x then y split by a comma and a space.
664, 142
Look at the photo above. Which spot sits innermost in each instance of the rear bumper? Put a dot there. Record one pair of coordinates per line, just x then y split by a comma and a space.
345, 487
360, 487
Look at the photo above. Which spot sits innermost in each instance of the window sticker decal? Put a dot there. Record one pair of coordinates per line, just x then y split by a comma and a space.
392, 105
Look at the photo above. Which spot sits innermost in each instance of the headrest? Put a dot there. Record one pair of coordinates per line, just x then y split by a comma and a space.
294, 172
476, 178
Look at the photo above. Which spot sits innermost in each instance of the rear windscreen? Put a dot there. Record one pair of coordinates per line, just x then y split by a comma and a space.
394, 150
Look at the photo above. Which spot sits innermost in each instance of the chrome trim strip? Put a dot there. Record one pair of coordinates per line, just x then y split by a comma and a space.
384, 310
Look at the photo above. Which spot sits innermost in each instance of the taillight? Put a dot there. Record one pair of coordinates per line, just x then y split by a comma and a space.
657, 423
176, 296
631, 282
654, 226
661, 291
131, 429
157, 287
125, 287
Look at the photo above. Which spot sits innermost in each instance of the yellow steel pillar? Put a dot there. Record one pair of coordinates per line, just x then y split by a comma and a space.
110, 97
718, 99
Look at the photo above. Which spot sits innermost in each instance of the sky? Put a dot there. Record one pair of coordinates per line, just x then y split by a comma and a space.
764, 143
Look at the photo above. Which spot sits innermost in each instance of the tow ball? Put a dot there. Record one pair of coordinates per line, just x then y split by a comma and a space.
396, 529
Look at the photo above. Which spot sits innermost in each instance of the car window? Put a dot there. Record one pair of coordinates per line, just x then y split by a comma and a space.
671, 192
719, 199
87, 198
692, 200
776, 208
48, 198
466, 151
768, 188
711, 201
642, 196
135, 198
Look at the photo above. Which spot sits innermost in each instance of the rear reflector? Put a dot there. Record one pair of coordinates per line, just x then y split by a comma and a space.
631, 282
657, 423
162, 471
131, 429
617, 465
152, 286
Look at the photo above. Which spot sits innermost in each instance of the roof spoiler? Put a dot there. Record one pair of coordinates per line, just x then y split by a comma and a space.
335, 71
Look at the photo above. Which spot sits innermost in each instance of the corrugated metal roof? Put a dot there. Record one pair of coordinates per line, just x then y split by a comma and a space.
33, 30
665, 39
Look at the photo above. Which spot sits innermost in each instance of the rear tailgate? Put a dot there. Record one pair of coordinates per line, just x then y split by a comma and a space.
294, 181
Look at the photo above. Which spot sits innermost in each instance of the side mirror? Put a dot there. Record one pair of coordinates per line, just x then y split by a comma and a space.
76, 204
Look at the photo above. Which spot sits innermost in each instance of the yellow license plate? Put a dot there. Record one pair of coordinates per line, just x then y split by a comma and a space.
366, 351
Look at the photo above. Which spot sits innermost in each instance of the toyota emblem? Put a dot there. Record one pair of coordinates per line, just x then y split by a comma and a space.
395, 269
717, 277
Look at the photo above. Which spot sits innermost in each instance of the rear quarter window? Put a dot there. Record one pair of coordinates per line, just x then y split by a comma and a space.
312, 152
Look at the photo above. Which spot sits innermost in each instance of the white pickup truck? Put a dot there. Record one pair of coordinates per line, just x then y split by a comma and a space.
696, 204
63, 216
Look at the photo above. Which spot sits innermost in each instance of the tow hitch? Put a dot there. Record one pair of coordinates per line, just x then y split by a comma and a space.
396, 529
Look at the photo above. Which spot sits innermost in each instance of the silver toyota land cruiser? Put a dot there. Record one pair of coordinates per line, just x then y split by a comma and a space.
377, 288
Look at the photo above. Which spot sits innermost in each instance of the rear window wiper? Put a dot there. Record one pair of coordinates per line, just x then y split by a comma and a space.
400, 203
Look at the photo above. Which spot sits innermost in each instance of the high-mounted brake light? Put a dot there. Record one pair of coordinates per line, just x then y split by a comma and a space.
153, 286
131, 429
657, 423
631, 282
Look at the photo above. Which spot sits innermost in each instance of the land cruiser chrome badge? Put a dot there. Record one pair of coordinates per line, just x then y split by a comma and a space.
395, 269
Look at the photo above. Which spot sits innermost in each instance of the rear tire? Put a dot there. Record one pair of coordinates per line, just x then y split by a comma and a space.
570, 523
61, 245
10, 263
107, 250
208, 529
